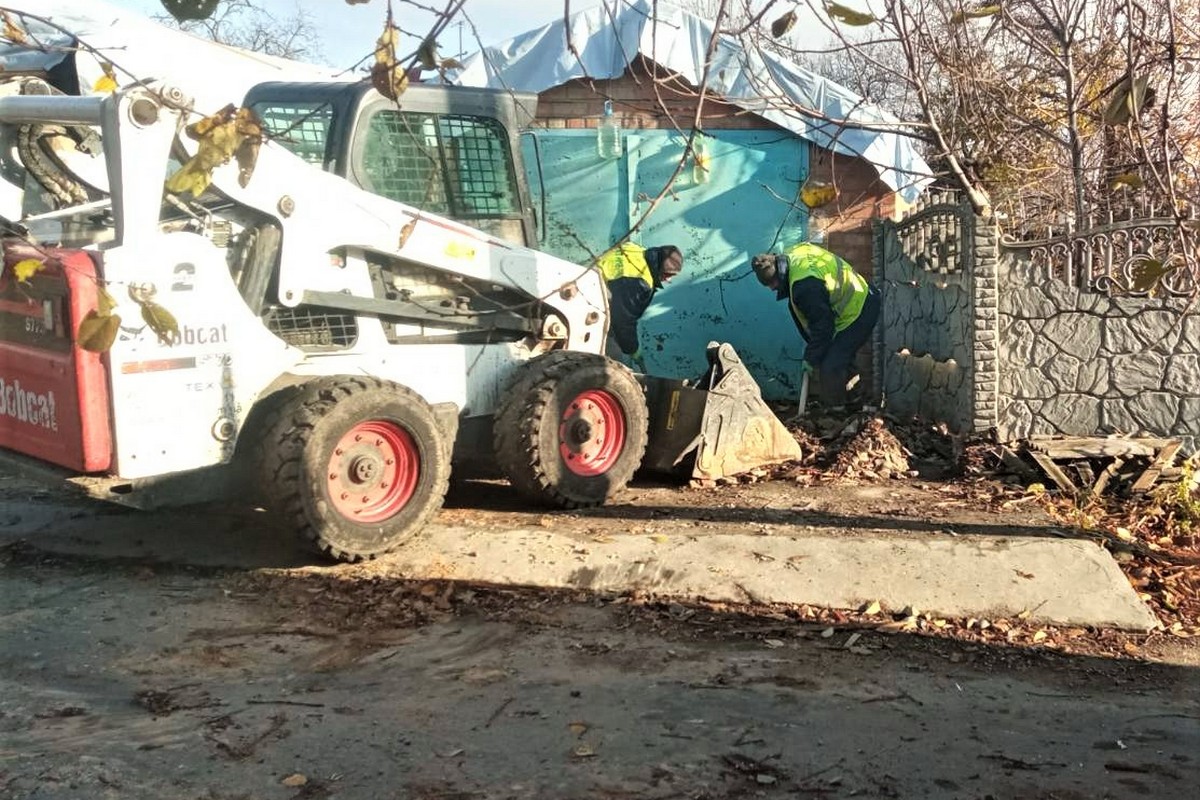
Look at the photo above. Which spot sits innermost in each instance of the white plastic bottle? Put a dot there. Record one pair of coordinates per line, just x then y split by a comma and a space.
608, 134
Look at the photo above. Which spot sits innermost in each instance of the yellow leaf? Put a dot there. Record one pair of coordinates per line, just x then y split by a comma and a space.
161, 321
1124, 534
105, 301
781, 26
106, 83
659, 538
26, 268
577, 729
872, 608
295, 780
848, 15
228, 133
818, 193
1130, 179
1036, 489
13, 32
388, 77
1039, 636
974, 13
97, 332
1128, 97
1024, 614
1145, 272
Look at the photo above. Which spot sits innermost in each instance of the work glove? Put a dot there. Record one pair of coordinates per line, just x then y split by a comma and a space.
638, 361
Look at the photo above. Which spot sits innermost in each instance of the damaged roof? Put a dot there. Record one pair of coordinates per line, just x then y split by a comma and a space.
604, 41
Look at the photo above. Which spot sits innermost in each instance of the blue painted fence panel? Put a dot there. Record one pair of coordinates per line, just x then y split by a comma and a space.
745, 206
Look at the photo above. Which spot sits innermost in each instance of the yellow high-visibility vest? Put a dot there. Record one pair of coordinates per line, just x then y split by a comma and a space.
627, 260
847, 289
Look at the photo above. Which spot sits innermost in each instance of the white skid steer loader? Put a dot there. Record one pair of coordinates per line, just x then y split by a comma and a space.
333, 348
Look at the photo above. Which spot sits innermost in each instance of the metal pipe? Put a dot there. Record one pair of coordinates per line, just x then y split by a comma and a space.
63, 110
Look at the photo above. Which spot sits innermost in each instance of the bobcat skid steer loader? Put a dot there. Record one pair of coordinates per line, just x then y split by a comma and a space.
336, 347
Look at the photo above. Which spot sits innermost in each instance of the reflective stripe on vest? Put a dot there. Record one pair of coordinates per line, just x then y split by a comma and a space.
625, 261
847, 289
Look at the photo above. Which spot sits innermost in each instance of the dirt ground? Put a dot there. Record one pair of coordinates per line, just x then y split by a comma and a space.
130, 674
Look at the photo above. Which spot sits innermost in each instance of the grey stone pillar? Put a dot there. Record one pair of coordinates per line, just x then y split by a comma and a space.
985, 306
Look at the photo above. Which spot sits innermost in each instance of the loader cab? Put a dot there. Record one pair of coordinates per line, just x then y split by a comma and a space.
450, 150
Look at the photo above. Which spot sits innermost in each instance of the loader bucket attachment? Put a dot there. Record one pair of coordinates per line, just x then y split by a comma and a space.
715, 427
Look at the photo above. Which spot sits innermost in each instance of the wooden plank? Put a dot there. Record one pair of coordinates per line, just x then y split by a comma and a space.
1097, 448
1107, 475
1062, 448
1164, 459
1054, 473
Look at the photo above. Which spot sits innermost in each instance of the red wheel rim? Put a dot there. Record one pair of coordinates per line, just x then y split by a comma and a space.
591, 433
373, 471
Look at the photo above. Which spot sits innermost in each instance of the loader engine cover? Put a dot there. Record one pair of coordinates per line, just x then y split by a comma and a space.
54, 398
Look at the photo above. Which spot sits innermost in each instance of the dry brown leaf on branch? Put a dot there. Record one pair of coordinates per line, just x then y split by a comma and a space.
161, 321
97, 331
781, 26
12, 31
427, 53
388, 77
974, 13
1130, 96
1130, 180
231, 132
848, 15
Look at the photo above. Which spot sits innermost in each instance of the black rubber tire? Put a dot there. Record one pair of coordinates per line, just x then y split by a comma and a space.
300, 444
526, 428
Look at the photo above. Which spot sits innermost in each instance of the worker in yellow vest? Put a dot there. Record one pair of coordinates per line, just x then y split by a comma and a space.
633, 274
834, 308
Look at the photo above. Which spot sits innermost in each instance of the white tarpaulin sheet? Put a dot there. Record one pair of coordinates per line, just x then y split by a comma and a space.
608, 39
213, 74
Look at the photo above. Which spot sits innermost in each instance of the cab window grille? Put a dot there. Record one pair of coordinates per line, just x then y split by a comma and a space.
302, 128
453, 165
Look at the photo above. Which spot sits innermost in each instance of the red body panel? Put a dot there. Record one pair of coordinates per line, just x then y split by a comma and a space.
54, 396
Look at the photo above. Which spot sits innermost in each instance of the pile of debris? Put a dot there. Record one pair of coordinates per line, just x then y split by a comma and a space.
873, 453
869, 446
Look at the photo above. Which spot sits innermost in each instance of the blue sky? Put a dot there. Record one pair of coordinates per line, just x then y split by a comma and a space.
348, 32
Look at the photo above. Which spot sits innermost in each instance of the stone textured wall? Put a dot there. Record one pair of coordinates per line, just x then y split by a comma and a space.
935, 352
1034, 338
1077, 361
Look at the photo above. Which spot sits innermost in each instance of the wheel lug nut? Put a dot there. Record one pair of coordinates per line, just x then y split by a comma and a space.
358, 437
345, 495
337, 452
333, 476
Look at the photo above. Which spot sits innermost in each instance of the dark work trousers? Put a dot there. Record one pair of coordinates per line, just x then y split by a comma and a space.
838, 366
